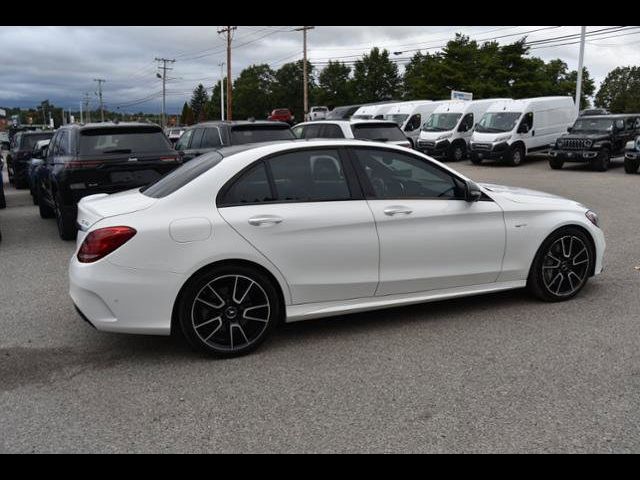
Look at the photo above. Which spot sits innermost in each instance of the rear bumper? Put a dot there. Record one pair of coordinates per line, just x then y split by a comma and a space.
581, 156
124, 300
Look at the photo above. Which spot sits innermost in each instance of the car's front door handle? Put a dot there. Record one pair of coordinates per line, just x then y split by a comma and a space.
397, 210
265, 220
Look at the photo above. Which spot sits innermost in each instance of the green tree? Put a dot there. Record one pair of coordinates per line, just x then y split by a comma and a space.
620, 91
375, 77
186, 118
288, 87
198, 103
253, 92
335, 87
212, 110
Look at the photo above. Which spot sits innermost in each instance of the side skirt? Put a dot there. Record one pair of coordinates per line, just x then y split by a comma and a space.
308, 311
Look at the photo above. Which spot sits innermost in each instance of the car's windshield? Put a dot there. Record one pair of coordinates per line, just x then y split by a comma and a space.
123, 140
257, 134
592, 125
498, 122
441, 122
182, 176
398, 118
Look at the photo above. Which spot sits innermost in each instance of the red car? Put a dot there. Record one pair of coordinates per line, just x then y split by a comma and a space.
282, 115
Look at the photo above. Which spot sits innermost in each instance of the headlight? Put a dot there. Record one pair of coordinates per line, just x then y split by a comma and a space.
588, 143
593, 218
502, 139
560, 143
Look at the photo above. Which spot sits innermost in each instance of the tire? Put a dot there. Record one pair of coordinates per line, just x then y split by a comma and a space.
562, 265
602, 162
3, 200
475, 159
631, 165
45, 210
556, 163
457, 152
515, 156
20, 184
212, 310
66, 221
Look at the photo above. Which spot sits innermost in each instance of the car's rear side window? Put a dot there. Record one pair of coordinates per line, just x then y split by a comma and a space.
121, 140
302, 176
380, 133
182, 176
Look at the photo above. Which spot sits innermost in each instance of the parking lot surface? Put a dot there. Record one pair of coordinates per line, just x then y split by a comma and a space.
499, 373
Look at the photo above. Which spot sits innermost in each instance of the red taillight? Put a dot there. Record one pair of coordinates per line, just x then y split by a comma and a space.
170, 159
83, 163
100, 243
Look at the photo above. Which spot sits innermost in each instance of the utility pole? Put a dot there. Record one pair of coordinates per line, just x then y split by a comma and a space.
305, 73
164, 69
580, 68
221, 65
100, 82
228, 32
81, 117
86, 107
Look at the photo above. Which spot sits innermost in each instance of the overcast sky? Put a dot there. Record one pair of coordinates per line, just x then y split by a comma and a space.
60, 63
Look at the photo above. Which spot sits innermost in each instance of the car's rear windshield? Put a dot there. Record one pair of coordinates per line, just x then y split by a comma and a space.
243, 135
380, 133
29, 141
122, 140
180, 177
281, 112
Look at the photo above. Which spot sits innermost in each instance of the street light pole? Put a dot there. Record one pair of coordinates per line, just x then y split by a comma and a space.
221, 64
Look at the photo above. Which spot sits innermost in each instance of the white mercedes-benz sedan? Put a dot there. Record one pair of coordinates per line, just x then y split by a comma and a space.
235, 241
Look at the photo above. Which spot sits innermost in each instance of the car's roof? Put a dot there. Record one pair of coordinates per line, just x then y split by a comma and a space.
350, 122
35, 132
235, 123
88, 126
611, 116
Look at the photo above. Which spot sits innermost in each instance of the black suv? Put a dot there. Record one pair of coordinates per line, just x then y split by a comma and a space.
594, 140
96, 158
206, 137
20, 154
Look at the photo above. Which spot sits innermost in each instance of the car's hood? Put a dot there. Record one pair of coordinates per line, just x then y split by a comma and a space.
526, 196
488, 137
94, 208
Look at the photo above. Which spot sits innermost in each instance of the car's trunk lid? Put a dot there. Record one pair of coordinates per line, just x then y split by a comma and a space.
94, 208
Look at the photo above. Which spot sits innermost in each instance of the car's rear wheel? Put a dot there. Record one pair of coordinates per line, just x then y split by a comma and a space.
602, 162
3, 200
631, 165
229, 311
556, 163
562, 266
65, 219
45, 210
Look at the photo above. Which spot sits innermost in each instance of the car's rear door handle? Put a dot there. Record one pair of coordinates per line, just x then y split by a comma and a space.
265, 220
397, 210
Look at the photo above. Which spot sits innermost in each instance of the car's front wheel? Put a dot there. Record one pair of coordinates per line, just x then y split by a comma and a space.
562, 266
602, 162
229, 311
556, 163
631, 165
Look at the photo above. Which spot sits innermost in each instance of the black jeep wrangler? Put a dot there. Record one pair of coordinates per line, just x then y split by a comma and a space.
594, 140
632, 156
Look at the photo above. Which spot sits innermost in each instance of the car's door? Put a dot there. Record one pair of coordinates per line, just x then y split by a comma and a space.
304, 211
430, 237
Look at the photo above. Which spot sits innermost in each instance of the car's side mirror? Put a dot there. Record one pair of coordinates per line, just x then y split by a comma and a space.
523, 128
569, 129
473, 193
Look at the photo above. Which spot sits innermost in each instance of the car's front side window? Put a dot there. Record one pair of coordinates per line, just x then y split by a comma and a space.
395, 175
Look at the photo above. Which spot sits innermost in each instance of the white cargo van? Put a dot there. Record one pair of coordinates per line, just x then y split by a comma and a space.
369, 112
447, 131
418, 114
510, 130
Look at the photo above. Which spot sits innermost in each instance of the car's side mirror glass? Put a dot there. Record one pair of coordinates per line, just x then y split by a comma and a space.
473, 193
